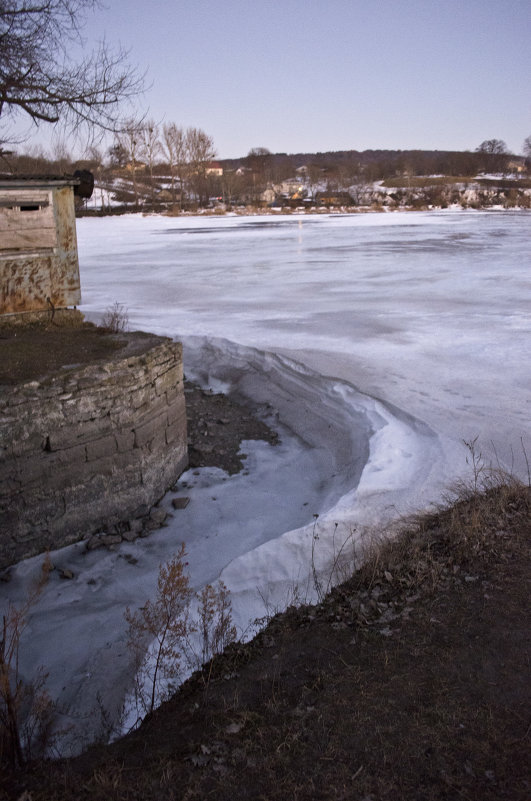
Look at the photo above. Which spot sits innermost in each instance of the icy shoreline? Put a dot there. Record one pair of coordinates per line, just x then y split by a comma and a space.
384, 461
253, 531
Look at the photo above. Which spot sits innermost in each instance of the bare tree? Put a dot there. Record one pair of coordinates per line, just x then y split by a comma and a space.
259, 161
150, 149
41, 81
118, 155
61, 155
175, 150
496, 146
129, 141
526, 149
200, 150
494, 154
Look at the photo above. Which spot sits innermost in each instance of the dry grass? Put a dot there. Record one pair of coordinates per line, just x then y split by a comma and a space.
116, 318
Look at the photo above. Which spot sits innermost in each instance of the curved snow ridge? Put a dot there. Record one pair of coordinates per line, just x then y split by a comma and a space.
383, 461
306, 403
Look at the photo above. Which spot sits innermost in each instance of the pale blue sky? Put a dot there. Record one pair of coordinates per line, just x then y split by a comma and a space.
308, 75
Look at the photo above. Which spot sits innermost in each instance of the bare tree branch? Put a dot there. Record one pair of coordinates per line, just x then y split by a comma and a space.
40, 79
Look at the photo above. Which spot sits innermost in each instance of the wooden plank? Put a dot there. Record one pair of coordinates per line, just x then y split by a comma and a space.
26, 220
16, 197
29, 239
23, 230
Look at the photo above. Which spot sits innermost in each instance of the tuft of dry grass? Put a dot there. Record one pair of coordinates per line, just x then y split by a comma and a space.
116, 318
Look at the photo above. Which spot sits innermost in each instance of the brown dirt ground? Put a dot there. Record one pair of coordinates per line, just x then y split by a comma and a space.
34, 352
216, 427
410, 681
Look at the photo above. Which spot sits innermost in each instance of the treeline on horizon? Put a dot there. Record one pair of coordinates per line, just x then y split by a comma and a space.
371, 165
376, 165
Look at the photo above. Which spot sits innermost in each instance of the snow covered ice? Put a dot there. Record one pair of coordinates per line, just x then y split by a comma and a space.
382, 341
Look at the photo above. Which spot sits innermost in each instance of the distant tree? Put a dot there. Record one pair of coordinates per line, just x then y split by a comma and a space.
231, 186
259, 161
200, 152
33, 161
175, 151
150, 148
494, 153
526, 149
92, 160
61, 155
496, 146
314, 176
39, 78
129, 141
118, 155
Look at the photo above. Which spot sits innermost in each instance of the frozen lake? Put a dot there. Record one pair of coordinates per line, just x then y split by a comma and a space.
382, 341
429, 311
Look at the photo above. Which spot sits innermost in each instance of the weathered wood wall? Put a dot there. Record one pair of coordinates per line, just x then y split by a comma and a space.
38, 249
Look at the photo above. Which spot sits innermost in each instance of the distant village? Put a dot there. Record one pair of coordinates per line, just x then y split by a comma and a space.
153, 172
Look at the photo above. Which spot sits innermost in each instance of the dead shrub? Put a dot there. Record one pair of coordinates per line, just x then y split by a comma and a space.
116, 318
161, 633
164, 623
215, 620
25, 708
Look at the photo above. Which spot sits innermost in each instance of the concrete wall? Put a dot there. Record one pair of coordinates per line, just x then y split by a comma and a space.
89, 447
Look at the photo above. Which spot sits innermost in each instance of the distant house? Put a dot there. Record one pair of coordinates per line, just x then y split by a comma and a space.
214, 168
165, 196
516, 165
134, 165
292, 188
39, 267
268, 195
334, 199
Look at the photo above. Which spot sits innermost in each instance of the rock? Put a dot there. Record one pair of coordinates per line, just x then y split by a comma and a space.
130, 536
180, 503
111, 539
158, 515
65, 573
94, 542
121, 527
140, 511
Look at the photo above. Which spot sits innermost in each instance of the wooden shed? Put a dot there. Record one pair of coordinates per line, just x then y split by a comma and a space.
39, 266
